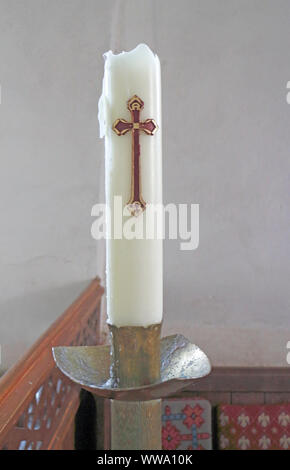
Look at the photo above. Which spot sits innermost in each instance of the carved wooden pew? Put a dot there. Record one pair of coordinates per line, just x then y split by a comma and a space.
37, 402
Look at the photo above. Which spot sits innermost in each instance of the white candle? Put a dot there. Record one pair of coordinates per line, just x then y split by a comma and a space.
133, 267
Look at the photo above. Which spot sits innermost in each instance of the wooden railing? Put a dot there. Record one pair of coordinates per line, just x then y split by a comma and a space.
37, 402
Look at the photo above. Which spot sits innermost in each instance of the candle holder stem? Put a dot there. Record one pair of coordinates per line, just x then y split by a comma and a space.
135, 362
136, 425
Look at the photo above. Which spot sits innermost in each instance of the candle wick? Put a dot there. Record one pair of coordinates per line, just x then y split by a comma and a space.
117, 26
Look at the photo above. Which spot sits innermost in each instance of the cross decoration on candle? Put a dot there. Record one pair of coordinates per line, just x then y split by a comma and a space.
136, 203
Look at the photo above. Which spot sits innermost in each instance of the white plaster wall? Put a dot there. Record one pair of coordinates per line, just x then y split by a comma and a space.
226, 141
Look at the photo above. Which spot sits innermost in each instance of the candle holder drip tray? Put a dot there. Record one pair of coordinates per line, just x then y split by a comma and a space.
181, 363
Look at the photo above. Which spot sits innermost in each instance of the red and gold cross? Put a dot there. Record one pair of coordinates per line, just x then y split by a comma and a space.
136, 204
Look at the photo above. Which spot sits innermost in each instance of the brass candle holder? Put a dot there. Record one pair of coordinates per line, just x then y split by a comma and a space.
136, 371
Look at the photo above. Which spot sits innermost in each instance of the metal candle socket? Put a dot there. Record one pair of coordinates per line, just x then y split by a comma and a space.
134, 388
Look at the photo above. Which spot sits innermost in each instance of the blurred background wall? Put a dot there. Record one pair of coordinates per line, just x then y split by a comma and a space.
226, 139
